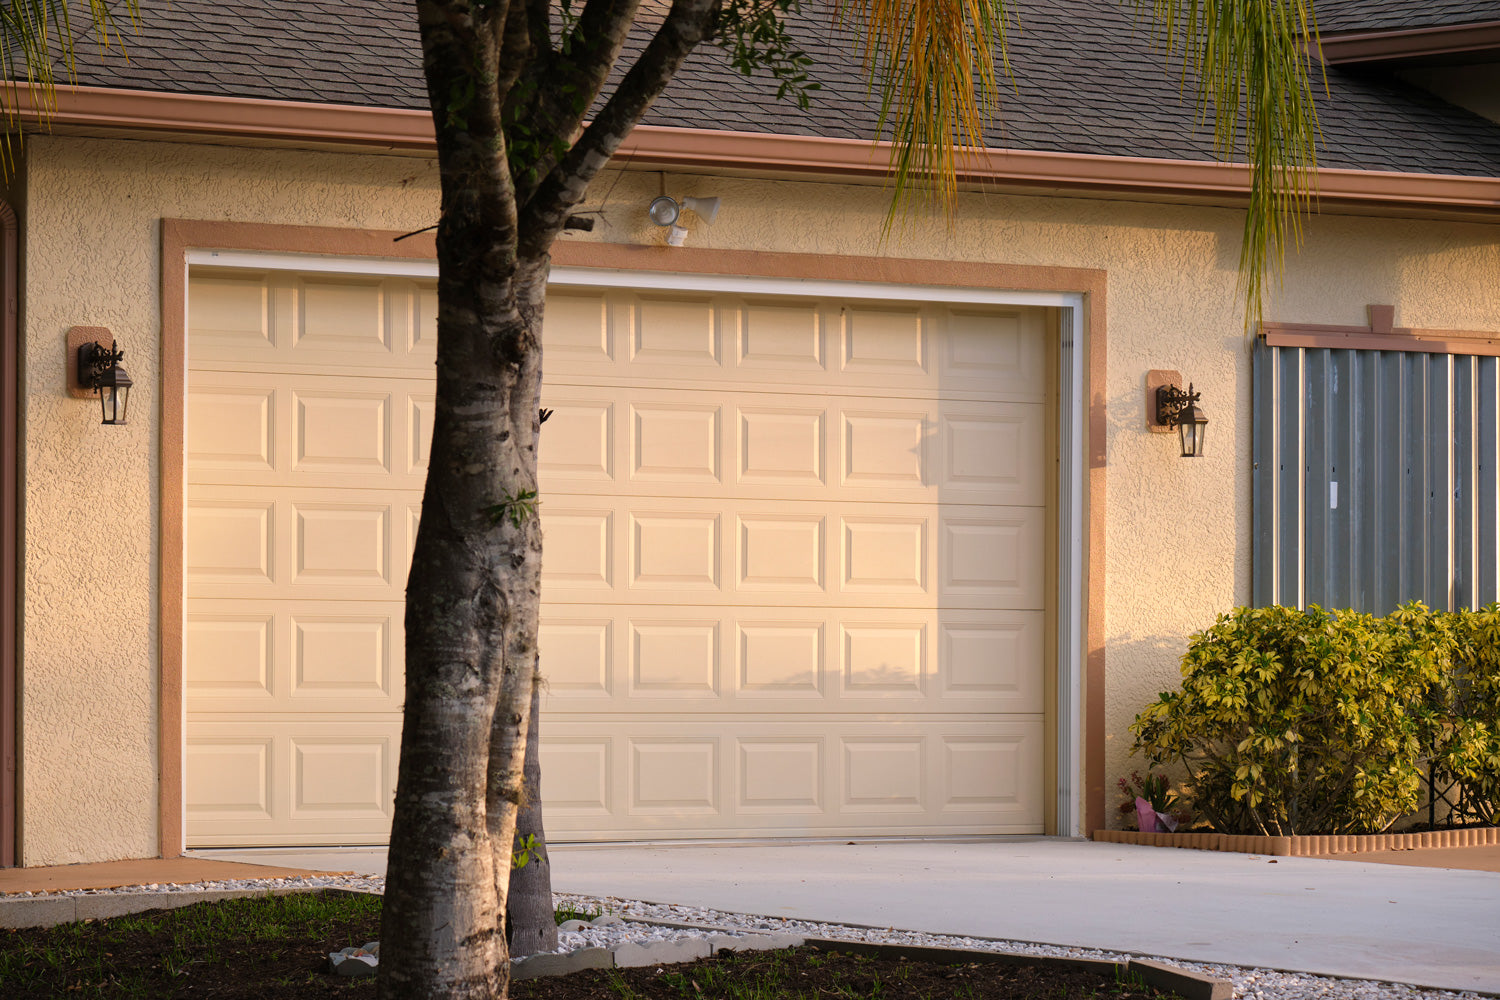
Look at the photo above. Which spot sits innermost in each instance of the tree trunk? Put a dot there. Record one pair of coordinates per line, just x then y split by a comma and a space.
529, 921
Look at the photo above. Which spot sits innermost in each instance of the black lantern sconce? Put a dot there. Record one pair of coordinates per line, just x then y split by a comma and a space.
1169, 406
1179, 409
99, 372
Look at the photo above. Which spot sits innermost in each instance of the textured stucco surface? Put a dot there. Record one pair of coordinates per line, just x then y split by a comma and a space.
1177, 532
89, 717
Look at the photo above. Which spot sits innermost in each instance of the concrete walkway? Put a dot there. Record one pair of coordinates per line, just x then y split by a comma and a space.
1425, 926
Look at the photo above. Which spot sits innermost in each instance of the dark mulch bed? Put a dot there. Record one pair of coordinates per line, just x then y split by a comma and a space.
811, 974
277, 949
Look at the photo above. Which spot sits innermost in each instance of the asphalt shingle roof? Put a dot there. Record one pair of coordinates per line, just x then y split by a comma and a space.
1394, 15
1087, 79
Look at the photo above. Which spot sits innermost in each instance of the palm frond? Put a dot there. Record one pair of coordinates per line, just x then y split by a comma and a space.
37, 39
1249, 61
932, 63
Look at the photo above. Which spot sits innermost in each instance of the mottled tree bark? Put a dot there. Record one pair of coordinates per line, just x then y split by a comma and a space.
530, 924
474, 588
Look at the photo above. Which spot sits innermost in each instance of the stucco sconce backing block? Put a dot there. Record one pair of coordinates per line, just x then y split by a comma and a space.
1155, 379
78, 336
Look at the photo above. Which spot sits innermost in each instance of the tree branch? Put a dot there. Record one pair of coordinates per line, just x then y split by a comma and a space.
544, 213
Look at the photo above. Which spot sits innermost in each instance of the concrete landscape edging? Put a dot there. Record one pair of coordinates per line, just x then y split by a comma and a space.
1308, 845
51, 910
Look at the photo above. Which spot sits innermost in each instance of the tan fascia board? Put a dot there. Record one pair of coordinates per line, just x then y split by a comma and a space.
661, 146
1410, 43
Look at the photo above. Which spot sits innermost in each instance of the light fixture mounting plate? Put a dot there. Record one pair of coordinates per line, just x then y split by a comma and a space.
82, 336
1155, 379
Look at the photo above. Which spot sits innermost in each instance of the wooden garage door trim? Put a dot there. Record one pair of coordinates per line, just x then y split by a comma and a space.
178, 236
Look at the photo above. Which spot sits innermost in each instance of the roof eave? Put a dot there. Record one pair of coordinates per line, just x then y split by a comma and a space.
396, 128
1400, 45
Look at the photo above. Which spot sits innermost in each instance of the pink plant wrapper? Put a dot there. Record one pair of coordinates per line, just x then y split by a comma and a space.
1145, 816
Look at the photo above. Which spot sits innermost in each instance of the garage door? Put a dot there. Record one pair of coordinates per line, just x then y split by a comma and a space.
794, 575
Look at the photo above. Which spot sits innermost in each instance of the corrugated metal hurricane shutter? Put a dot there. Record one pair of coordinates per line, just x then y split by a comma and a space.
1376, 478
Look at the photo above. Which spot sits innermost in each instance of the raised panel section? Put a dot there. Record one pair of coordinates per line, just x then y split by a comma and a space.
995, 657
998, 453
884, 449
577, 656
986, 773
883, 774
679, 776
344, 655
676, 331
675, 550
231, 428
228, 779
887, 553
780, 776
884, 340
781, 335
578, 548
232, 308
344, 776
342, 315
1005, 351
577, 326
424, 313
780, 658
997, 556
341, 544
781, 552
674, 658
341, 432
781, 446
884, 659
229, 655
578, 777
578, 441
419, 414
227, 541
675, 442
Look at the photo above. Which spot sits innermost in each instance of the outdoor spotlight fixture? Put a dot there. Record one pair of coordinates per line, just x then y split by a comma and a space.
99, 372
1175, 408
667, 212
663, 210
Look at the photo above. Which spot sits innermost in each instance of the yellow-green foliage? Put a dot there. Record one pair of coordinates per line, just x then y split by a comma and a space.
1295, 722
1468, 748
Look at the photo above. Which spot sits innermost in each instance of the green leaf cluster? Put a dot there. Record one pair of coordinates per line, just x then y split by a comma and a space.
1310, 721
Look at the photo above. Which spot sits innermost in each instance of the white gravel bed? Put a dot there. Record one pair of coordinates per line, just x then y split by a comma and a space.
360, 882
1249, 984
1252, 984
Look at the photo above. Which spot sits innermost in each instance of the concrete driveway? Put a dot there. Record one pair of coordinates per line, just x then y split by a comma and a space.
1426, 926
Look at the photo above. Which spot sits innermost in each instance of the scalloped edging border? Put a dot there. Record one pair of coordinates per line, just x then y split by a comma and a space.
1306, 846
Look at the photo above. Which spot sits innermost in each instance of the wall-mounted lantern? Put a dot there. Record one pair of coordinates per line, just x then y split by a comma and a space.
1170, 406
98, 372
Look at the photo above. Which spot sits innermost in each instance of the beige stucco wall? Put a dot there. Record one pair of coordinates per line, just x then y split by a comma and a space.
1177, 532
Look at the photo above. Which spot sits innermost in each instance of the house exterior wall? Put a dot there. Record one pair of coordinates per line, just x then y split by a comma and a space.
1177, 533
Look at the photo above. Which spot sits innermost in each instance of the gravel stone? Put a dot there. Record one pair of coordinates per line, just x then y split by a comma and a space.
1249, 983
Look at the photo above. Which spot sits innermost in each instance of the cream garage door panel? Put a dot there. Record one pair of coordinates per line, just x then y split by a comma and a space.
308, 430
247, 320
676, 776
653, 658
274, 780
788, 445
830, 345
794, 553
794, 578
294, 656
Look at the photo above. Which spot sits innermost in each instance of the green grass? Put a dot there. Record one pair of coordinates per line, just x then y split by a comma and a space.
100, 958
567, 912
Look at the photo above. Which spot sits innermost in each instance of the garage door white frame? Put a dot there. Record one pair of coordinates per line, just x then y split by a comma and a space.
1071, 416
